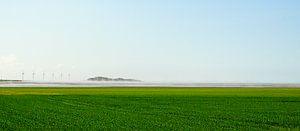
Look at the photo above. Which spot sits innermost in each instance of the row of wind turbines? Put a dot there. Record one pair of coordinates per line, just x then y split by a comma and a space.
52, 77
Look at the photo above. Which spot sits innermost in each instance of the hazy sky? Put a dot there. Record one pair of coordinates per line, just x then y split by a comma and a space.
152, 40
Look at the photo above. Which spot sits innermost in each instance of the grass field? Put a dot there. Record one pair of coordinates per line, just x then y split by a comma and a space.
150, 108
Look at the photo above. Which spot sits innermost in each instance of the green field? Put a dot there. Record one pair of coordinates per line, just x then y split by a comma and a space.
150, 108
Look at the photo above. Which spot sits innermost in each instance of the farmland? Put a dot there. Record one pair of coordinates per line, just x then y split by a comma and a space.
150, 108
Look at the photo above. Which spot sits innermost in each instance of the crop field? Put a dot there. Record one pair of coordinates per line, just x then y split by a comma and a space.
149, 108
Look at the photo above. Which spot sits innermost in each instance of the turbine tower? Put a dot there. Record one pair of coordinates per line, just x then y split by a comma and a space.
23, 76
43, 75
33, 76
61, 76
53, 76
69, 76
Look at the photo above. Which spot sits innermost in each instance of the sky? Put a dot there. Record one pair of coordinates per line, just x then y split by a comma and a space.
152, 40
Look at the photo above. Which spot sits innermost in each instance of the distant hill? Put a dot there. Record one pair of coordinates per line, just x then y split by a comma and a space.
100, 78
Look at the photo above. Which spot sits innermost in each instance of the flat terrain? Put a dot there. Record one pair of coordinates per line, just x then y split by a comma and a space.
150, 108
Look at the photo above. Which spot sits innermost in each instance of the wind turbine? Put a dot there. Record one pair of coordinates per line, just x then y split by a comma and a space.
53, 76
33, 76
2, 76
43, 75
23, 76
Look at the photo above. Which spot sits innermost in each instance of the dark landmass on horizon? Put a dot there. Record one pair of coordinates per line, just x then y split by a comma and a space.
100, 78
10, 80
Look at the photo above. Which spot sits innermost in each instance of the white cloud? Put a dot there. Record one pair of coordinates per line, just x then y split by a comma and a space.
10, 66
59, 66
9, 62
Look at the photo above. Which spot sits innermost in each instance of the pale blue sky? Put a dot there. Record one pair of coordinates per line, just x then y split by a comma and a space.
152, 40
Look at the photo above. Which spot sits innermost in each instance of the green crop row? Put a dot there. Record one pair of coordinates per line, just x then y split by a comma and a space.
151, 91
